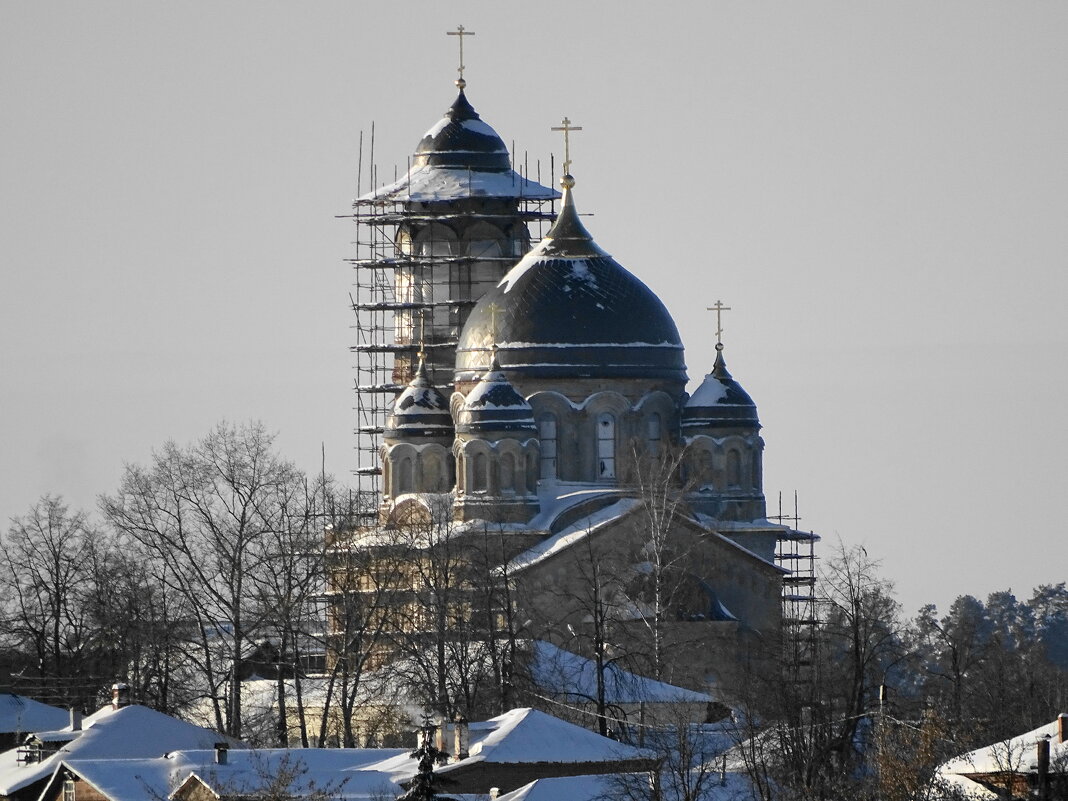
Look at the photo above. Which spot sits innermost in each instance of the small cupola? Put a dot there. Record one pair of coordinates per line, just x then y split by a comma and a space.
496, 452
720, 402
421, 411
494, 406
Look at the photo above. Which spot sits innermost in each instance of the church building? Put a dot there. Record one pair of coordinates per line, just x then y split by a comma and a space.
515, 381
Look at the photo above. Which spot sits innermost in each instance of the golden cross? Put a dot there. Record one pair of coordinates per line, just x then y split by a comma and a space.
461, 31
567, 128
718, 308
493, 309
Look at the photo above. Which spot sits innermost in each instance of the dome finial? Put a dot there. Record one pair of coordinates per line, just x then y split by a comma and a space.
718, 308
567, 181
461, 31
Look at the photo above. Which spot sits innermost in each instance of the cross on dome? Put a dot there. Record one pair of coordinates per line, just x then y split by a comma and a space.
718, 308
461, 32
567, 128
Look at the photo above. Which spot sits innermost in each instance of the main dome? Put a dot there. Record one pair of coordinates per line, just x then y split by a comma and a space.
569, 310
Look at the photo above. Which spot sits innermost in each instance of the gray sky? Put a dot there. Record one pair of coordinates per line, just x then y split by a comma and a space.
879, 190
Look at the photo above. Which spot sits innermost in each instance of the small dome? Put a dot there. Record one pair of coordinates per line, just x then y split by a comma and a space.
567, 310
420, 410
720, 402
462, 141
494, 405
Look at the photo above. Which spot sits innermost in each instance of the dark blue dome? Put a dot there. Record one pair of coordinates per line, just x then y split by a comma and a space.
720, 402
494, 405
463, 141
567, 310
420, 410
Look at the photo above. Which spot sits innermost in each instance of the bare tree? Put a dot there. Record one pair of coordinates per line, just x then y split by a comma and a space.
204, 513
45, 579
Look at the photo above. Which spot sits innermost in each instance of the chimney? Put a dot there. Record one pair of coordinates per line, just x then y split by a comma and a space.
120, 695
442, 734
75, 719
220, 753
462, 738
1062, 727
1043, 767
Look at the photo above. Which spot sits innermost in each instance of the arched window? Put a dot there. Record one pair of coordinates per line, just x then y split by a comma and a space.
704, 467
547, 437
404, 475
431, 473
606, 446
507, 473
480, 479
653, 433
734, 468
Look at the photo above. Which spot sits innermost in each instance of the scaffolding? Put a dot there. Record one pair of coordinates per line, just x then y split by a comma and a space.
796, 552
420, 266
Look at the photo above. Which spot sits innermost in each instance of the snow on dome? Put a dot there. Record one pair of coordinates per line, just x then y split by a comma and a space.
568, 310
420, 410
719, 402
459, 157
494, 405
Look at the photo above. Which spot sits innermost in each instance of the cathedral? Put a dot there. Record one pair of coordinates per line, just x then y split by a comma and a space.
515, 381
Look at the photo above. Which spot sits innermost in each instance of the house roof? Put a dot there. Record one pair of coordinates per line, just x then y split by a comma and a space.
523, 736
129, 732
1014, 755
246, 771
19, 714
564, 674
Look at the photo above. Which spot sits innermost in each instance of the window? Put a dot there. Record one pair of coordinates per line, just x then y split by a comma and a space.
652, 435
68, 790
606, 446
480, 479
404, 475
734, 468
547, 436
507, 473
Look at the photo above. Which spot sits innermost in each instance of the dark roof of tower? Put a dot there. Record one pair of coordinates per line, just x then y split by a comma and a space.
495, 405
719, 402
461, 140
568, 309
421, 410
460, 157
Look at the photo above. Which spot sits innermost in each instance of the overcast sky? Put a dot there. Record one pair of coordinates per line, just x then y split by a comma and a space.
878, 190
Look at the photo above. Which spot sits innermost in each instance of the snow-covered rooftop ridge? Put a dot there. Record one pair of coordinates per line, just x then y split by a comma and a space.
19, 714
572, 534
566, 674
1017, 754
524, 736
429, 183
245, 771
130, 732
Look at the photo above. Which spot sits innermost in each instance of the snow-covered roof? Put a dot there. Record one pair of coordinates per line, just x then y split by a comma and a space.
1015, 755
572, 788
523, 736
572, 534
428, 183
129, 732
565, 674
19, 714
246, 771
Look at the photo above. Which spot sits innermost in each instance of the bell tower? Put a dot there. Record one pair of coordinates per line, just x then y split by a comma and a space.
428, 246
